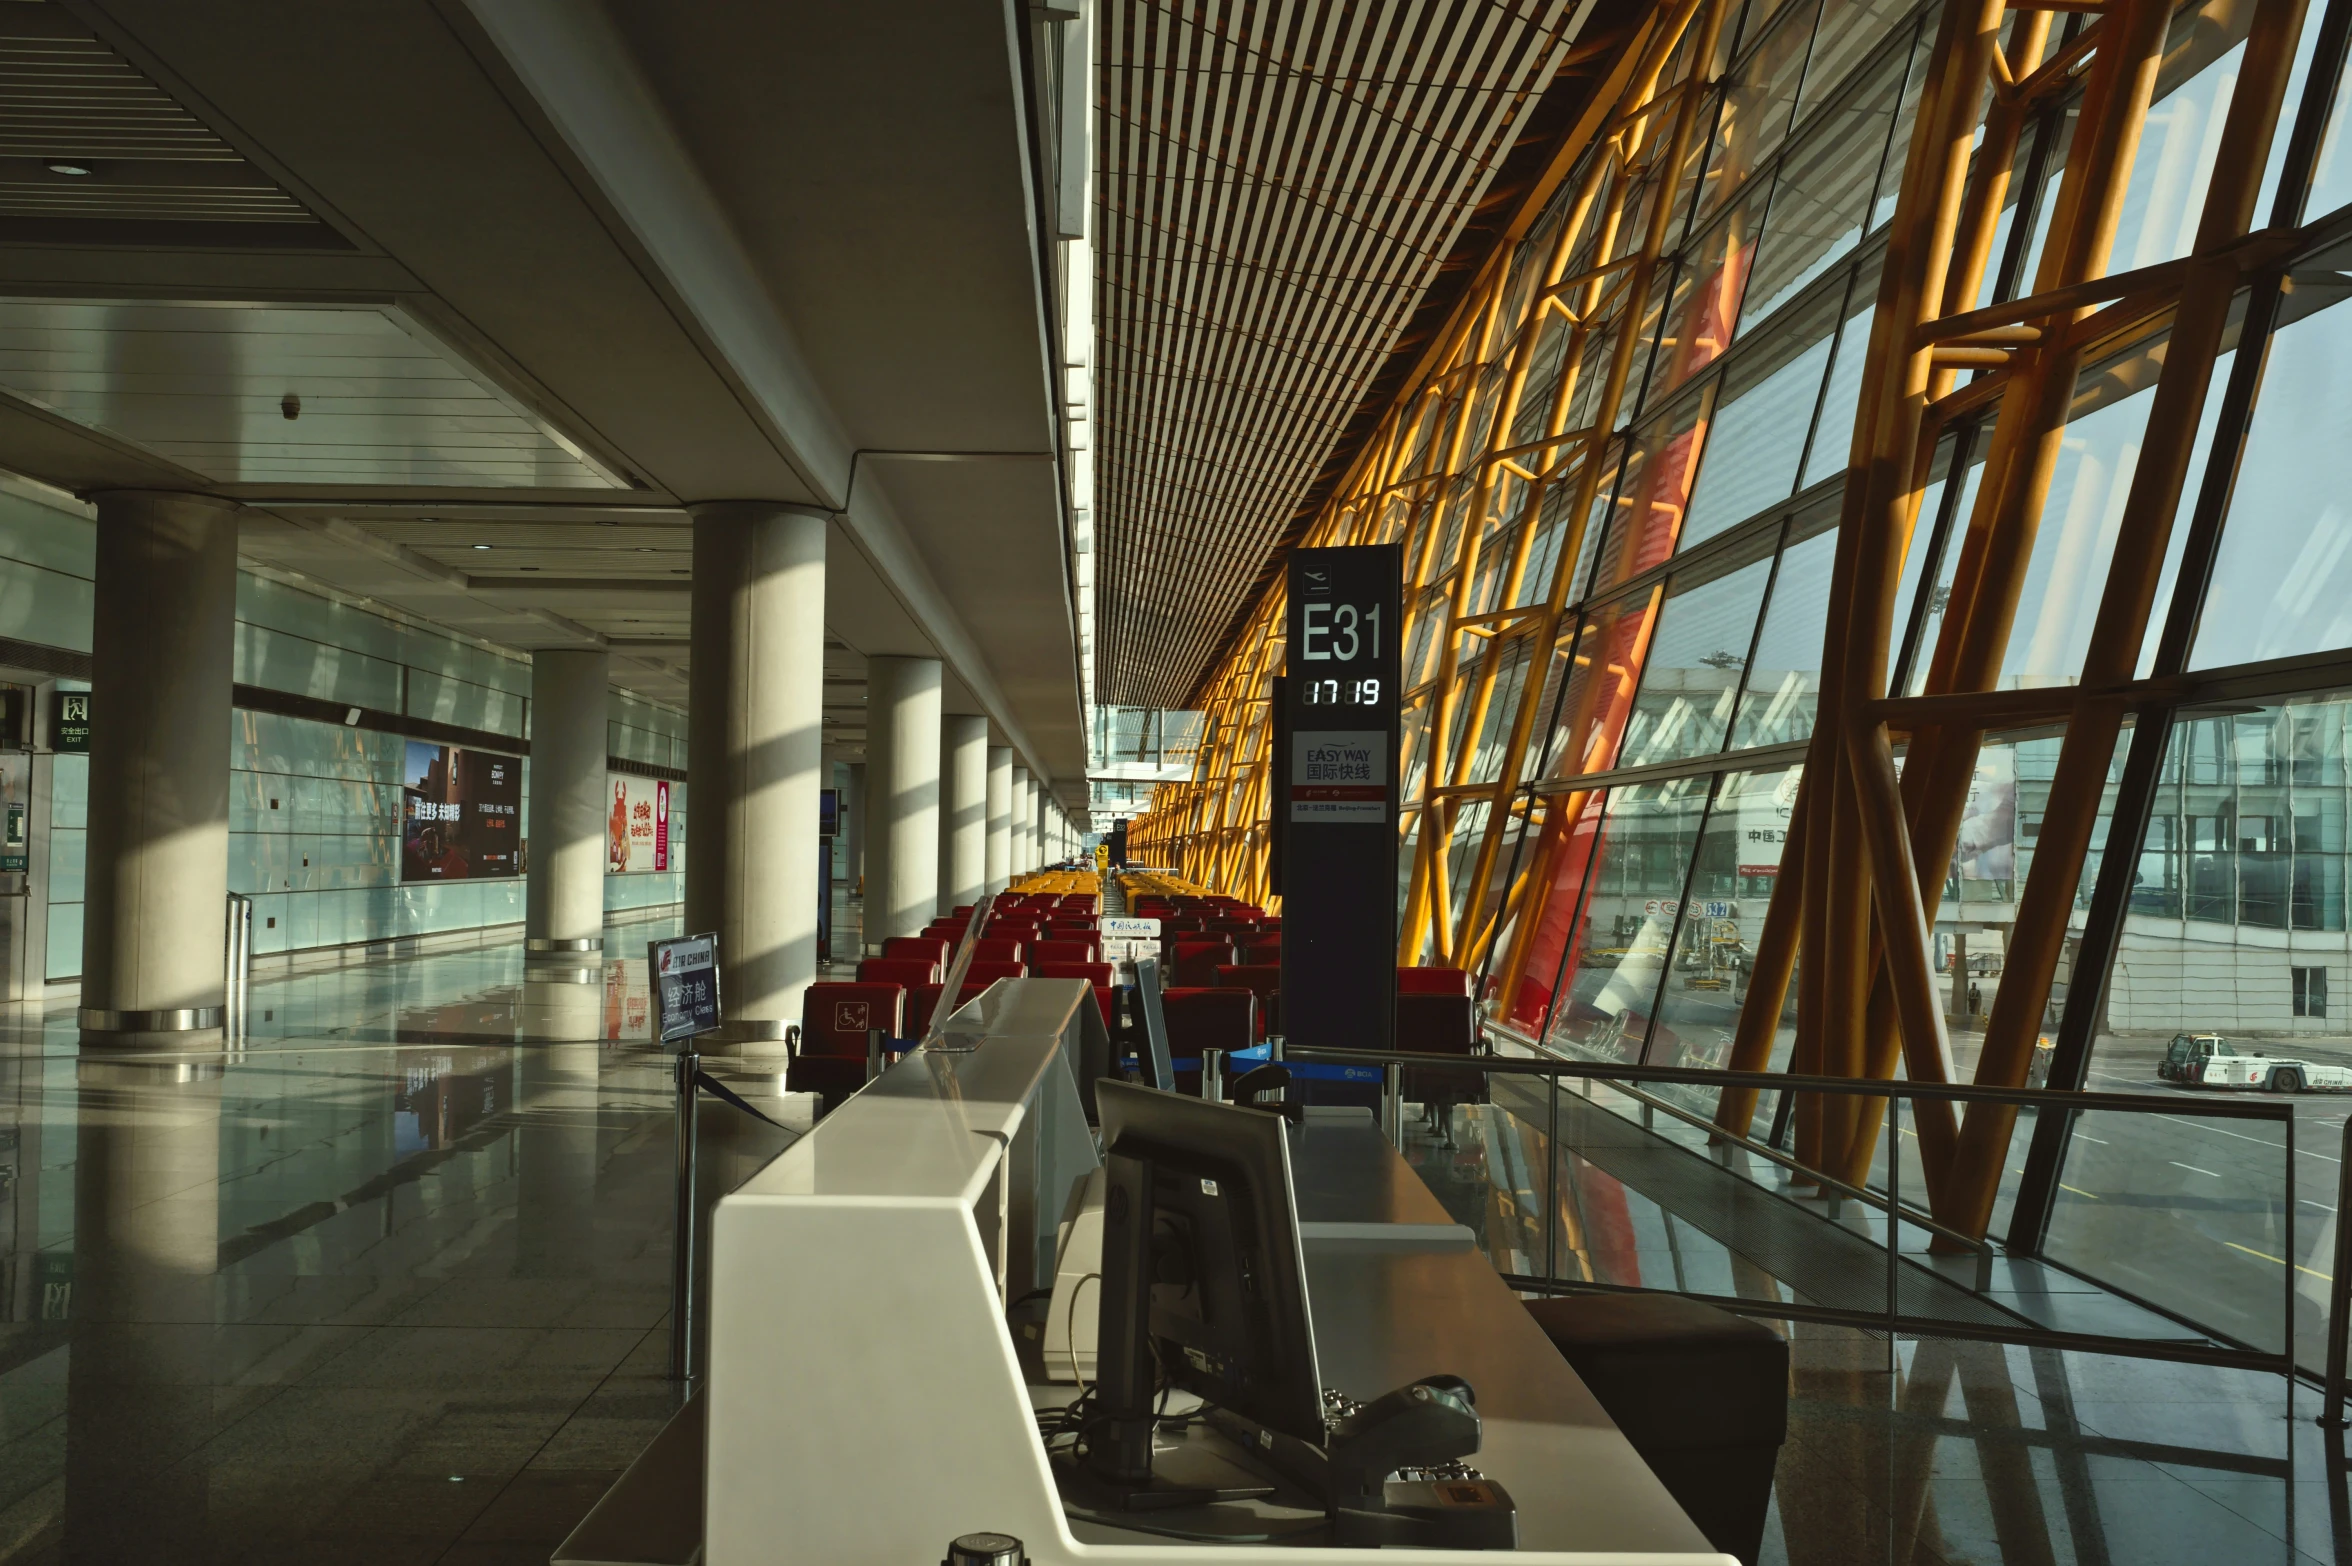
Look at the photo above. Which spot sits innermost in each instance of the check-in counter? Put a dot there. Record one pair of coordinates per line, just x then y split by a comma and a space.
868, 1402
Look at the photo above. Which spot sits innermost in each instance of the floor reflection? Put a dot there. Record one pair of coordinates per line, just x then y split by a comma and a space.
1930, 1450
386, 1283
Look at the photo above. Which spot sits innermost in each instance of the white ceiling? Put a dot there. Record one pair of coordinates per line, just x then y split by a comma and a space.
1281, 181
546, 272
274, 394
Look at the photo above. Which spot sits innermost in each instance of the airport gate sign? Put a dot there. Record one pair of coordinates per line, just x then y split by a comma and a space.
1335, 822
685, 986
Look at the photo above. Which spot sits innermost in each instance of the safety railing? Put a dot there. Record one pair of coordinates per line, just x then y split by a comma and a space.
1906, 1276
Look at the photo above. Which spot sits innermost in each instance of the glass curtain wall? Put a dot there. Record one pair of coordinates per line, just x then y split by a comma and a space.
1609, 888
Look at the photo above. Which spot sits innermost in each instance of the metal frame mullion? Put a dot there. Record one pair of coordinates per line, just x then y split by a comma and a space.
2135, 798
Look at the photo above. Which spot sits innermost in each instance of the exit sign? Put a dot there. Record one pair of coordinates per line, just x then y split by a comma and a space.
69, 722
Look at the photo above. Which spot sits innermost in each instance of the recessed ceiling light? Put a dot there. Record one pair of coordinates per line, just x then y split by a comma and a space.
75, 169
481, 546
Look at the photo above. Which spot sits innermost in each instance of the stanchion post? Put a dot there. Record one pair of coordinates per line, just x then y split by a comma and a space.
684, 1309
1213, 1075
873, 1053
1392, 1104
239, 978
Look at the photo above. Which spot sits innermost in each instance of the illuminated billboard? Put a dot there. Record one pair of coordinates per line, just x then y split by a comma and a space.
460, 814
637, 827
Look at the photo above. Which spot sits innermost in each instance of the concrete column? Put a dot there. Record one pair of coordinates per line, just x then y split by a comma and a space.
571, 808
162, 655
946, 818
963, 772
1038, 804
854, 851
1000, 815
902, 748
755, 752
1023, 859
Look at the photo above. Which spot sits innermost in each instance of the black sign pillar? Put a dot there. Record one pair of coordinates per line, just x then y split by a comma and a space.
1339, 798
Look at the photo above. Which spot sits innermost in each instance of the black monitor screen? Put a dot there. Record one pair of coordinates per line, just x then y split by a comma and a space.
1209, 1292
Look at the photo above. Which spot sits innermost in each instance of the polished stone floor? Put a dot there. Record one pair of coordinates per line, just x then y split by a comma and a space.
1940, 1450
1980, 1452
390, 1286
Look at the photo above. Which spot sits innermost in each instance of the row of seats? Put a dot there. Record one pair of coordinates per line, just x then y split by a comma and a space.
836, 1018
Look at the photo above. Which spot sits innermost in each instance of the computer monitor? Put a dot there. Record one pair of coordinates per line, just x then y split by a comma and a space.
1204, 1281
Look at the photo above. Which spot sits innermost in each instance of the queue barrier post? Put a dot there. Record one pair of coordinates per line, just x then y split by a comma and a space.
682, 1303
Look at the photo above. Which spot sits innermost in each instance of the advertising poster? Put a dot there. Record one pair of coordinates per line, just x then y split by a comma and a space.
637, 831
461, 813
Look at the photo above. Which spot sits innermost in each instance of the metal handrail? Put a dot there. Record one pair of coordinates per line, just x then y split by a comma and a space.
1910, 1212
1696, 1076
1554, 1067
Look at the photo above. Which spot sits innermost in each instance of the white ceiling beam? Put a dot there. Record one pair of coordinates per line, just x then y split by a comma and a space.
578, 70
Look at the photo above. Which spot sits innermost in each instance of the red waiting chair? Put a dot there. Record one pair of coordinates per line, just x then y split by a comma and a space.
1065, 949
1434, 1024
1193, 963
897, 970
996, 949
834, 1021
1207, 1017
931, 948
923, 998
1264, 980
1096, 974
1433, 981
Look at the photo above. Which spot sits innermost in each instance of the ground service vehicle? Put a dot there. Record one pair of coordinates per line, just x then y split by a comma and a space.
2208, 1060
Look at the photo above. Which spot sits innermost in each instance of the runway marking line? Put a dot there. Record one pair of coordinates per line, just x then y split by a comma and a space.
2263, 1140
2323, 1277
2102, 1141
2077, 1190
2193, 1169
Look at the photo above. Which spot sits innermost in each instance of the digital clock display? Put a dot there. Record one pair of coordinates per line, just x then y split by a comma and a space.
1340, 693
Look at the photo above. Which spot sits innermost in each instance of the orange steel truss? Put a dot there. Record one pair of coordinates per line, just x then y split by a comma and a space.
1460, 469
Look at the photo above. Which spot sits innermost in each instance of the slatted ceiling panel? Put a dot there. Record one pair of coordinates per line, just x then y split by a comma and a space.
1280, 180
65, 97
